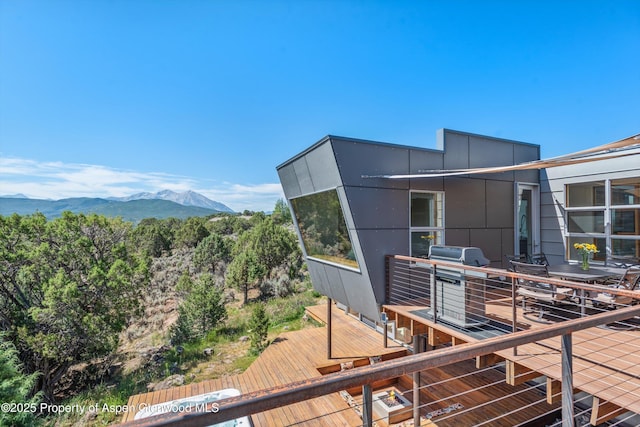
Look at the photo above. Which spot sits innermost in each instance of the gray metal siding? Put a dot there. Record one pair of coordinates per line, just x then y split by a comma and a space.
478, 210
378, 208
355, 159
465, 203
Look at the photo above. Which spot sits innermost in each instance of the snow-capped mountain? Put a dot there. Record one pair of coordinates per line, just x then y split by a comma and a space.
187, 198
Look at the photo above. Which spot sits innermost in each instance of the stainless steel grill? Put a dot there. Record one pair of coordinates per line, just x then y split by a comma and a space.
459, 293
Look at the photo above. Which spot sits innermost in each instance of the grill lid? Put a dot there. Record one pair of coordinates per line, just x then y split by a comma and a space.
461, 254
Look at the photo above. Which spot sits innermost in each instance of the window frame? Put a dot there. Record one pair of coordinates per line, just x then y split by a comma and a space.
304, 242
438, 231
608, 211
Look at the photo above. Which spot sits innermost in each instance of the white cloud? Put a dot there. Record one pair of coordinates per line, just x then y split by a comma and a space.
57, 180
259, 197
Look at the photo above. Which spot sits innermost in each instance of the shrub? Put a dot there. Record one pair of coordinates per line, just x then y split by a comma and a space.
258, 329
15, 386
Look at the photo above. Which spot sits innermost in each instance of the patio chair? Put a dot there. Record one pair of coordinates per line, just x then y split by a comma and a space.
629, 281
542, 294
519, 258
622, 261
539, 258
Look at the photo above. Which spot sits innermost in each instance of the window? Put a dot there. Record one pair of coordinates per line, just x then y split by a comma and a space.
605, 213
427, 221
625, 191
585, 194
323, 229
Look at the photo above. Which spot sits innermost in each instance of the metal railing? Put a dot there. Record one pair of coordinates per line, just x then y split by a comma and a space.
410, 284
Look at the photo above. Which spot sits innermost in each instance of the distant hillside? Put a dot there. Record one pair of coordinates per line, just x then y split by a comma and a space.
134, 210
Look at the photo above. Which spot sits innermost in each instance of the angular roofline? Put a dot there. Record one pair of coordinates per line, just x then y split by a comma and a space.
329, 138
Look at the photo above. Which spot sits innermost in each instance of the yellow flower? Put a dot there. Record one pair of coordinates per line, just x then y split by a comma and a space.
587, 248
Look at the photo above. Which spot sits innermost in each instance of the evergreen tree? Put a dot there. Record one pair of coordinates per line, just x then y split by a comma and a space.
212, 250
15, 388
191, 232
271, 245
281, 213
68, 287
243, 272
259, 328
203, 308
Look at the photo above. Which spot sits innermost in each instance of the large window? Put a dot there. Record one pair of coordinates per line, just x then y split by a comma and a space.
605, 213
427, 221
323, 228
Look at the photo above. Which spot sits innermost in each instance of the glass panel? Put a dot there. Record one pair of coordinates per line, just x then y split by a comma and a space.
426, 209
598, 241
585, 194
422, 240
625, 222
625, 248
625, 191
525, 232
585, 221
323, 228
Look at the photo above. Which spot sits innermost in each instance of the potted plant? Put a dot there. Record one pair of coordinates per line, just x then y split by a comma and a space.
585, 249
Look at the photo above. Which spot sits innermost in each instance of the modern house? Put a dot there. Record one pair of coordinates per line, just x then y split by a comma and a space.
379, 225
355, 201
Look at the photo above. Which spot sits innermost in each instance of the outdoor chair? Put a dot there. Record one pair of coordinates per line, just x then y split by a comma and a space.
622, 261
539, 258
629, 281
542, 294
519, 258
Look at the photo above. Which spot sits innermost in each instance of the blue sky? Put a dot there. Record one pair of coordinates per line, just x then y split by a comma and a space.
108, 98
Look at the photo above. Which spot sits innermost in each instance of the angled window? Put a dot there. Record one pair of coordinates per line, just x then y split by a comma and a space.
323, 228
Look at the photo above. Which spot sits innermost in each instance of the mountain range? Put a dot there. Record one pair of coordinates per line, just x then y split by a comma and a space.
164, 204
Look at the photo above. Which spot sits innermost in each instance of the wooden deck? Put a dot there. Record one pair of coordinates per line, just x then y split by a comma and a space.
295, 356
605, 361
299, 355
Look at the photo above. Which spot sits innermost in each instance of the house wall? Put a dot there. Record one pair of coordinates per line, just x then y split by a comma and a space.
552, 195
479, 209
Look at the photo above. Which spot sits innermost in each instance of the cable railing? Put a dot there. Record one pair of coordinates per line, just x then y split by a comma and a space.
575, 345
494, 300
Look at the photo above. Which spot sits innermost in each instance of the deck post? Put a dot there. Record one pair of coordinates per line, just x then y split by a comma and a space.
329, 304
433, 298
416, 384
385, 339
567, 382
514, 312
367, 408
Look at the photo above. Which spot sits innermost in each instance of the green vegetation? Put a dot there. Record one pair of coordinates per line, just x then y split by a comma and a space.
202, 309
258, 329
15, 388
95, 309
69, 287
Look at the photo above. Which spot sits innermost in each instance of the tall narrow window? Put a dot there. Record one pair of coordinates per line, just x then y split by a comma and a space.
625, 217
427, 221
